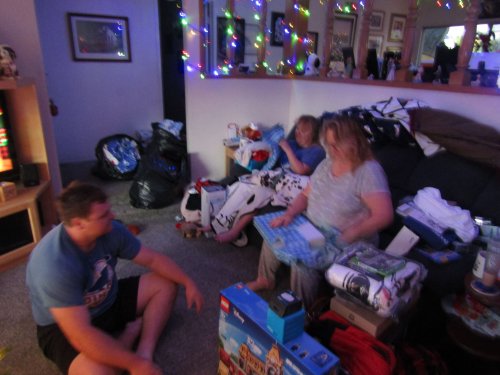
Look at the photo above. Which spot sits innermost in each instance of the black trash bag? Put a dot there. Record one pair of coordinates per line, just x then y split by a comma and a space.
152, 190
168, 166
118, 157
167, 144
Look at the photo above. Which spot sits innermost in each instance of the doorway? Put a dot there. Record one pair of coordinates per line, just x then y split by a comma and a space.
172, 65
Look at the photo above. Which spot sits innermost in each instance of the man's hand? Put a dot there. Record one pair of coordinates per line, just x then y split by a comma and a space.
193, 296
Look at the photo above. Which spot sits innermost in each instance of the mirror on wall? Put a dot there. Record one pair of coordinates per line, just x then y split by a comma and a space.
245, 35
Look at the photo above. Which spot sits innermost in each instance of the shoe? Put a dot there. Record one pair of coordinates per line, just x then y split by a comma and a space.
241, 241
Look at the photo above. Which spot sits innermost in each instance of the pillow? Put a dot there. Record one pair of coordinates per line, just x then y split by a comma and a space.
458, 134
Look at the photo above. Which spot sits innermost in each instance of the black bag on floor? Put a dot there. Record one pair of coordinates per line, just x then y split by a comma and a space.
118, 157
152, 190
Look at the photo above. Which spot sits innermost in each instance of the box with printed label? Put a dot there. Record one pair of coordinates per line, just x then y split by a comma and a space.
246, 345
361, 316
7, 191
213, 198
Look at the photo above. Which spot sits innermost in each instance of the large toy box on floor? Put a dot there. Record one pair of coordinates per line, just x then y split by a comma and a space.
246, 345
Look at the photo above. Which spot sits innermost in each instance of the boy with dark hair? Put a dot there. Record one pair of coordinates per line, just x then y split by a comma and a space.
88, 320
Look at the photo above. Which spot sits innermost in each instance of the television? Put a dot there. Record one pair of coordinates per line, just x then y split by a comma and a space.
9, 168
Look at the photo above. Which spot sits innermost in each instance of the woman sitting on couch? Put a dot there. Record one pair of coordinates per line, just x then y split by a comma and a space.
299, 156
348, 193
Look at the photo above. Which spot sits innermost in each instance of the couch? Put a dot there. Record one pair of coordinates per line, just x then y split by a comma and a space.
464, 166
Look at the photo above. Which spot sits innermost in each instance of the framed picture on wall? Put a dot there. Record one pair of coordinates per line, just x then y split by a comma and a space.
99, 38
277, 28
397, 27
377, 20
344, 28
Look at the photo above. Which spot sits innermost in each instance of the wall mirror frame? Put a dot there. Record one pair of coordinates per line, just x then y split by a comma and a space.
295, 32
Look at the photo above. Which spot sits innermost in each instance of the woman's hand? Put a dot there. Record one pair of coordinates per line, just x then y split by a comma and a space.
285, 146
282, 220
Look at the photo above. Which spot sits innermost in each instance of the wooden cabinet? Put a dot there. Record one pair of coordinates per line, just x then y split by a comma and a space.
33, 207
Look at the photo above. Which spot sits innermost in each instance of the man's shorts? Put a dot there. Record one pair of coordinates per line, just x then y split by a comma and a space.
57, 348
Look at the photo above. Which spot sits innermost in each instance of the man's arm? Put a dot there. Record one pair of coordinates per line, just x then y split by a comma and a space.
100, 347
167, 268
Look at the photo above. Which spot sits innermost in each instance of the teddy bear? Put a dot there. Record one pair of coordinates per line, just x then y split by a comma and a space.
8, 69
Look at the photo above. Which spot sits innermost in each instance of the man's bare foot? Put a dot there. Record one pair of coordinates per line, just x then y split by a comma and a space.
260, 283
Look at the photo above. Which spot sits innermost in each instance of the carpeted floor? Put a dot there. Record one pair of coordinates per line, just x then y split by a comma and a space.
188, 346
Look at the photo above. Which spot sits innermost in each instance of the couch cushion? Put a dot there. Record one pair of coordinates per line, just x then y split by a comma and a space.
458, 134
398, 163
487, 204
458, 179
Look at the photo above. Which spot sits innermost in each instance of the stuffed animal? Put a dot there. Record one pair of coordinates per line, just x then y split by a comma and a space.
8, 69
189, 230
312, 67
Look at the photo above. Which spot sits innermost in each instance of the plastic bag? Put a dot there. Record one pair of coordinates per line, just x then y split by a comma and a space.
151, 190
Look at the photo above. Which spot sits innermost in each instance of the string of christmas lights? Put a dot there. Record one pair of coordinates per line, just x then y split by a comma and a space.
348, 7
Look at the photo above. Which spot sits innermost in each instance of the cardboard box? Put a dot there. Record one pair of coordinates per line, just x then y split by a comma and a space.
246, 345
7, 191
213, 198
360, 316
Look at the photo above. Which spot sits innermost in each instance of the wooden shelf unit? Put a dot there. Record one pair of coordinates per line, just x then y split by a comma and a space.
27, 128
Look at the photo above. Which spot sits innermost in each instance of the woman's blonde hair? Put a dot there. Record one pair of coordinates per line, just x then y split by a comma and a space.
313, 122
349, 137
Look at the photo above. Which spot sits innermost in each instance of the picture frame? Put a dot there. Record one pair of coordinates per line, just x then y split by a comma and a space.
344, 28
239, 54
313, 44
96, 37
397, 27
277, 29
377, 20
376, 41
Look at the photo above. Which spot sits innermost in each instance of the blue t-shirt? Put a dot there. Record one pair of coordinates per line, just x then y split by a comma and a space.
311, 156
59, 274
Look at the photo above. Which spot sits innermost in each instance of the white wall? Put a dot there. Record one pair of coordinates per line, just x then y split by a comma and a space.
117, 96
18, 28
97, 99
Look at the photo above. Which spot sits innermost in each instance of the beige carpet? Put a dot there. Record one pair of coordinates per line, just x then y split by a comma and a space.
189, 343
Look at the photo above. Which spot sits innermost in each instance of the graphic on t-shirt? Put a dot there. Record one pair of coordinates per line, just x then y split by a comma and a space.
102, 280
